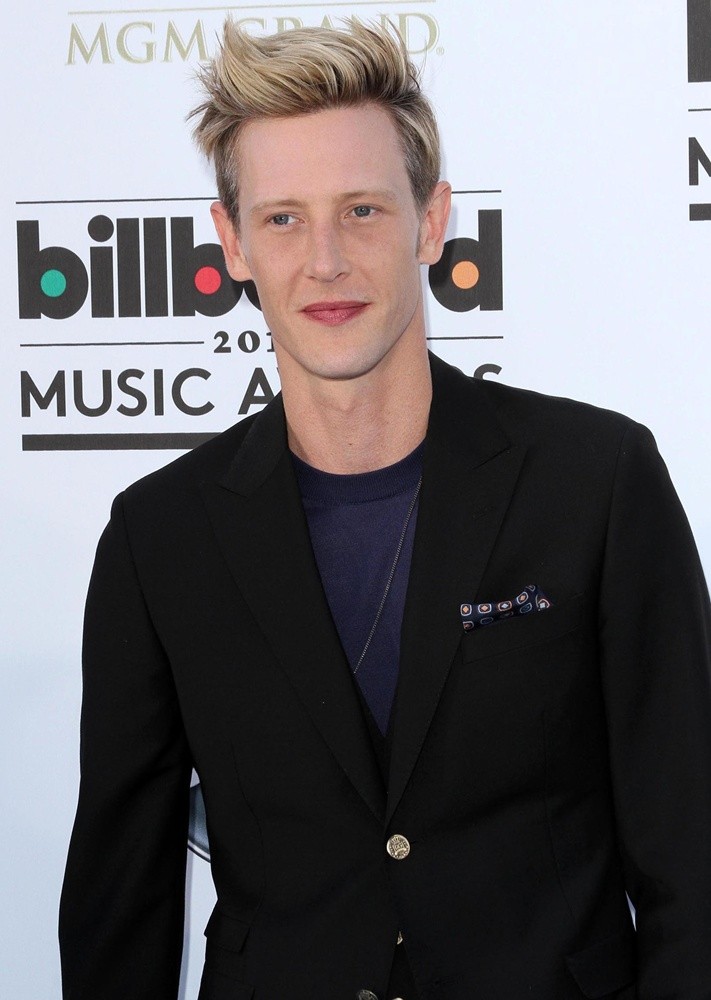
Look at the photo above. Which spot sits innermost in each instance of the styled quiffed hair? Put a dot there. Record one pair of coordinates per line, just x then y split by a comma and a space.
304, 70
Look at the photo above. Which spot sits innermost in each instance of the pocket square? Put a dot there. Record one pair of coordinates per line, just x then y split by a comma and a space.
531, 598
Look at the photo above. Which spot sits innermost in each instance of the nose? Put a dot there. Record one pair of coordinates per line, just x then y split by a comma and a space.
326, 258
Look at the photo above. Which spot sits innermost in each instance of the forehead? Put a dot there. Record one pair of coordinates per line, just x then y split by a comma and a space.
318, 155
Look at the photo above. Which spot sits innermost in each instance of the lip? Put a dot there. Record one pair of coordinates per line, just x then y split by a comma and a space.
334, 313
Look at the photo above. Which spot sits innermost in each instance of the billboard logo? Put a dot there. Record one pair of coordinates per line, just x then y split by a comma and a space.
698, 20
131, 261
55, 282
469, 274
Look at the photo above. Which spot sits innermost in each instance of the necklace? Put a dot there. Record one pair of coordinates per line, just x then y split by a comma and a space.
391, 576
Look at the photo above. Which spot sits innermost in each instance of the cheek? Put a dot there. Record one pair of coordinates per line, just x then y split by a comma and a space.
273, 263
386, 259
273, 288
270, 280
404, 271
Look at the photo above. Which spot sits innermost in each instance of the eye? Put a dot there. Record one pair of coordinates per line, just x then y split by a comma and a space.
283, 219
363, 211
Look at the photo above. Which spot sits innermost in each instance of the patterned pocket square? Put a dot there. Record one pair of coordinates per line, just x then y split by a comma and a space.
530, 599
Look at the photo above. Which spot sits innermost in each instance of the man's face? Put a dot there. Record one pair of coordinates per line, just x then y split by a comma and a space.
331, 235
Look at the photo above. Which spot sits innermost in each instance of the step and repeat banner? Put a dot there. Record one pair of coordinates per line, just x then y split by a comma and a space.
577, 139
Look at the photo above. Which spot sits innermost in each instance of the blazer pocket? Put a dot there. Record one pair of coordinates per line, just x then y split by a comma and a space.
606, 966
224, 931
510, 634
224, 961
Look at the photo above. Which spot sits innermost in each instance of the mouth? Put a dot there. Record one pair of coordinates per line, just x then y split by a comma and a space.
334, 313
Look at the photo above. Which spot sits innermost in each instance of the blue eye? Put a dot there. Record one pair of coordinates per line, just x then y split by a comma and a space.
281, 220
362, 211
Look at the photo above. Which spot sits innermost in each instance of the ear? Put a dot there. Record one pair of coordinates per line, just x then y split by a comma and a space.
235, 260
434, 224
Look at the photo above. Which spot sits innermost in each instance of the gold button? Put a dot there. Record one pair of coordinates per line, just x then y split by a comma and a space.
398, 847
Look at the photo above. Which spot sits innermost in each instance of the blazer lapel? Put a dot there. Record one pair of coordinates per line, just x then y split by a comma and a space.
470, 471
261, 527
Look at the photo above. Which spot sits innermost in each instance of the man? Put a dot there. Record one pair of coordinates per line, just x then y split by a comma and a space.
438, 648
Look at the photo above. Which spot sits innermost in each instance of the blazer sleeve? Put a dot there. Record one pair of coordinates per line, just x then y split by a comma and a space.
122, 905
655, 628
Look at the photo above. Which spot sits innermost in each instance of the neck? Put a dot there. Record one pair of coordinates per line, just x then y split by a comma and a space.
361, 424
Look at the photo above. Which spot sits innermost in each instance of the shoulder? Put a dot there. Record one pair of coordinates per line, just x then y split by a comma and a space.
585, 450
536, 416
571, 439
524, 415
562, 437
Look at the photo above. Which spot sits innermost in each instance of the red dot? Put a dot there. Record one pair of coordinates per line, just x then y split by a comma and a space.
207, 280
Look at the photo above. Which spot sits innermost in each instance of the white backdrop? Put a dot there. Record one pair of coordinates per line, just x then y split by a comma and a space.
570, 122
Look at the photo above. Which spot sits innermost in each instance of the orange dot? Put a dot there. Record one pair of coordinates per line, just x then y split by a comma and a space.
465, 274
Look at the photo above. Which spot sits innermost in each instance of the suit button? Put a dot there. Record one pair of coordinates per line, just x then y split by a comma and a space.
365, 995
398, 847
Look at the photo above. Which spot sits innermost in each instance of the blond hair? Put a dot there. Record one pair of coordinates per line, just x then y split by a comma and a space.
304, 70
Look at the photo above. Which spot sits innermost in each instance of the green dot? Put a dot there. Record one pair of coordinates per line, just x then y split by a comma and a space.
53, 283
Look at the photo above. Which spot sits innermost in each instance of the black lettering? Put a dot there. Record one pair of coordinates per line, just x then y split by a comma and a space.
104, 405
57, 390
484, 259
483, 370
218, 294
698, 14
51, 282
248, 341
155, 267
222, 339
102, 281
180, 380
158, 393
123, 385
697, 157
258, 393
128, 266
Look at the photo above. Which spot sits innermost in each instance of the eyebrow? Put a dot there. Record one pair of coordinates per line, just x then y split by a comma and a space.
273, 204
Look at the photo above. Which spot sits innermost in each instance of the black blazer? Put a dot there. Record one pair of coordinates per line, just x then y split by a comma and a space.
542, 767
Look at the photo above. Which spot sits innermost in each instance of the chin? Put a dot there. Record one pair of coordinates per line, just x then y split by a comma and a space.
346, 369
350, 362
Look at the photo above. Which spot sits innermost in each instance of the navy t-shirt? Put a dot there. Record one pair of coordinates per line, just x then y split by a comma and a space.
356, 522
